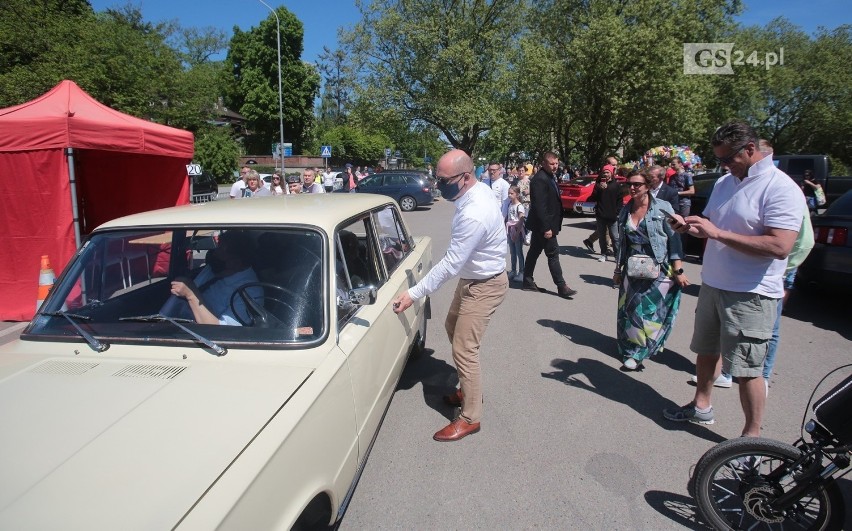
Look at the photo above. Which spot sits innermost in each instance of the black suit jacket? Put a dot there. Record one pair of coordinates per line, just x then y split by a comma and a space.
545, 205
667, 193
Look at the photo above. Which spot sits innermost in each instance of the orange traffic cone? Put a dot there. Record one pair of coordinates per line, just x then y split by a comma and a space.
46, 278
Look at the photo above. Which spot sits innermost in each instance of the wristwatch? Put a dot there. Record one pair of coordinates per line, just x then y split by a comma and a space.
678, 271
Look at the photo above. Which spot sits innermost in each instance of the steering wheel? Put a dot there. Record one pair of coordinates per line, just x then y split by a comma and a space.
258, 315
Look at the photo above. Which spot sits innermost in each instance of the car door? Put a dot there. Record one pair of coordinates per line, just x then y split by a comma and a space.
374, 338
371, 184
394, 185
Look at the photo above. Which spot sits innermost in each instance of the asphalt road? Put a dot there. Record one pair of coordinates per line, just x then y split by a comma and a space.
568, 440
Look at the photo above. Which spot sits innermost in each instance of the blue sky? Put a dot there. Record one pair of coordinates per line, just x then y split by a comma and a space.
324, 18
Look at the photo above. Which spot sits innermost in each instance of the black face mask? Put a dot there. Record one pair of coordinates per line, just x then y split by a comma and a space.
216, 263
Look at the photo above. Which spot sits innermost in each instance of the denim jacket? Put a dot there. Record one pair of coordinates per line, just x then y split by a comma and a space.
665, 242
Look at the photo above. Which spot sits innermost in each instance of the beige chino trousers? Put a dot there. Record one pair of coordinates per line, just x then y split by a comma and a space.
473, 305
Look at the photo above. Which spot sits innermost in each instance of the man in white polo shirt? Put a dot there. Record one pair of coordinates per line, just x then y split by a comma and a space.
753, 217
477, 255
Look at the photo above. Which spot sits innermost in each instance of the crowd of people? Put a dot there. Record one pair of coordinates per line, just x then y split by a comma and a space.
754, 239
310, 181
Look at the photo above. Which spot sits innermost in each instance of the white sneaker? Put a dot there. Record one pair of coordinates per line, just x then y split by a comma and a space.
724, 380
602, 259
631, 364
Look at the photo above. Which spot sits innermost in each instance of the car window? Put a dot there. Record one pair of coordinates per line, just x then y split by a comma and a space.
262, 285
356, 262
394, 242
372, 180
396, 180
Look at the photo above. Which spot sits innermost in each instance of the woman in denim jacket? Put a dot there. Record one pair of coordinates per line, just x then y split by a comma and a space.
646, 307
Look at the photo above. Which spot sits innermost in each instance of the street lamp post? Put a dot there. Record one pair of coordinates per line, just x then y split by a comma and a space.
280, 94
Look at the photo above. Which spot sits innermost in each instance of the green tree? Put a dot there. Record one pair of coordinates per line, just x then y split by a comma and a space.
444, 63
613, 78
338, 81
252, 63
217, 152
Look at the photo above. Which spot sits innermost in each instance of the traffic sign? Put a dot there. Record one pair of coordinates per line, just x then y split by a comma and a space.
326, 152
288, 149
387, 152
193, 169
397, 154
276, 149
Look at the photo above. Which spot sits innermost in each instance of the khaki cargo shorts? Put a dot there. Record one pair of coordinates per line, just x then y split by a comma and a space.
737, 325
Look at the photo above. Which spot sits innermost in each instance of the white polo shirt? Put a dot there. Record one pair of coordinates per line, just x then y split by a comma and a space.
767, 197
477, 243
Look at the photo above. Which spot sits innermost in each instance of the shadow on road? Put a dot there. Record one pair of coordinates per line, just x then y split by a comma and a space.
825, 311
621, 387
598, 281
675, 361
574, 250
678, 508
580, 335
438, 377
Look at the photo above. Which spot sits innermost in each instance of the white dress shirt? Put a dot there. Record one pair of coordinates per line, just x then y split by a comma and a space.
500, 188
477, 243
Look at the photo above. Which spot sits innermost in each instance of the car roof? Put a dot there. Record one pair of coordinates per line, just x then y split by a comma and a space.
322, 210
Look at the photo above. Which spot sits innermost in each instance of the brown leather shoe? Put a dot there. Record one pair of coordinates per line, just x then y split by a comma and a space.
565, 292
454, 399
529, 285
455, 430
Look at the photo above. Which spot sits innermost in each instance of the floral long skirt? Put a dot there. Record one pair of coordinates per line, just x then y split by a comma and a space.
646, 314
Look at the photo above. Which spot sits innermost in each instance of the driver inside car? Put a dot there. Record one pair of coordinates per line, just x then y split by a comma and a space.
207, 298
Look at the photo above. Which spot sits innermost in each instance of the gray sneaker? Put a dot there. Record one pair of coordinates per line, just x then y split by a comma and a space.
688, 413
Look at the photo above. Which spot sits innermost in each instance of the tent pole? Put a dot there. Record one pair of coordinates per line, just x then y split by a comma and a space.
75, 213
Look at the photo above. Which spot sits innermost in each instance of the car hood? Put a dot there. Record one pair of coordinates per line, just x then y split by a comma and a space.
94, 443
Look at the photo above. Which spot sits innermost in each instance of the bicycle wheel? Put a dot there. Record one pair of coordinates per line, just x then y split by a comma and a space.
736, 480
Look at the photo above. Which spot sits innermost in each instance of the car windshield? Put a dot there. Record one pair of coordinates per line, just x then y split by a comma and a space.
582, 181
261, 286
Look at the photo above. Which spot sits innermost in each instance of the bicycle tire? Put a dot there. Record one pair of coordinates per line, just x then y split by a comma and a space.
731, 489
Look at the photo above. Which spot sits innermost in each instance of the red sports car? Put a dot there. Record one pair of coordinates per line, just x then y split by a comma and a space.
575, 194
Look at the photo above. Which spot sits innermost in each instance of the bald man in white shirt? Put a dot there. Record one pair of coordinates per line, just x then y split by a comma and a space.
477, 255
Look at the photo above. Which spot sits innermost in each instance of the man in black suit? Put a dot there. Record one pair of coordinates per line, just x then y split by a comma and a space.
660, 190
544, 222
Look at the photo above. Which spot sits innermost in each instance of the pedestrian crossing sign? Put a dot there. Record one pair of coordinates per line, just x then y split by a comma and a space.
326, 152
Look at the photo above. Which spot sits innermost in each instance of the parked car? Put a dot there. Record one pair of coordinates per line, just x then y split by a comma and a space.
829, 265
580, 199
576, 190
795, 166
408, 189
703, 188
117, 415
204, 188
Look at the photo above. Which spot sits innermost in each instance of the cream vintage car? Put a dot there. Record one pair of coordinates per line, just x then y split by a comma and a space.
119, 411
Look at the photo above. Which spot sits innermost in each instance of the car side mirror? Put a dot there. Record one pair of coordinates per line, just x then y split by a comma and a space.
363, 296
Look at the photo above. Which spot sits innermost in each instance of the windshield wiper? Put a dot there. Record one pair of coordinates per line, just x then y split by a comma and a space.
158, 318
97, 346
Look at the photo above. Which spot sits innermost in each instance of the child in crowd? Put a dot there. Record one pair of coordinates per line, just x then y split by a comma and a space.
515, 230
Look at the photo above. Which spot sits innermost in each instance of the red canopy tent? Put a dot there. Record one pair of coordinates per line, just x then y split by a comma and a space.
68, 164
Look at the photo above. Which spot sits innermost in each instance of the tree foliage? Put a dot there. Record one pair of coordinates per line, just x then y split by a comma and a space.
252, 65
115, 56
217, 152
441, 62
